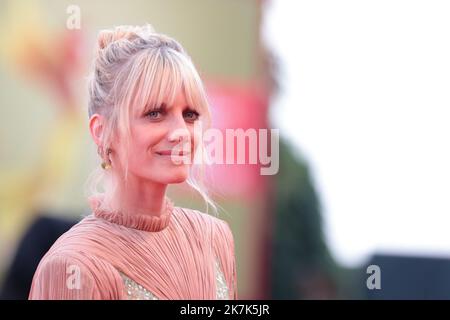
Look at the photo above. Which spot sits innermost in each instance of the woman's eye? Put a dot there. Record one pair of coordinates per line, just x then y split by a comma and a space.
155, 114
191, 115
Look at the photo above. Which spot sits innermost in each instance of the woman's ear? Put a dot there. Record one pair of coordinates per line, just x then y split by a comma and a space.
96, 128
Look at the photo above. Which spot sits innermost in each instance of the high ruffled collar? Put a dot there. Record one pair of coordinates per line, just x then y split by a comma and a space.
139, 221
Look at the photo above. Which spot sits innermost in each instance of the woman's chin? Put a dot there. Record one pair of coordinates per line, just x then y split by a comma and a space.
166, 175
177, 177
181, 180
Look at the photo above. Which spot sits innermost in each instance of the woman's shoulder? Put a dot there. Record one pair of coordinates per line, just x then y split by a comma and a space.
72, 262
75, 242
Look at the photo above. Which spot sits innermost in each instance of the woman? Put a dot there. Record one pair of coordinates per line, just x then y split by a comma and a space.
145, 100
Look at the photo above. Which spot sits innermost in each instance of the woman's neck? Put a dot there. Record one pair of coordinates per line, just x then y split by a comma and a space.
140, 197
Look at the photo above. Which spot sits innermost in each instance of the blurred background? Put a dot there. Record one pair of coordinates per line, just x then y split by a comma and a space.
358, 90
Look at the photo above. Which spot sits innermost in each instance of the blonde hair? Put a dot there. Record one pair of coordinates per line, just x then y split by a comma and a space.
136, 66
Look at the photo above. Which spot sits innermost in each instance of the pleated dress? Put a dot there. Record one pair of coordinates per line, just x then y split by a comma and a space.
182, 254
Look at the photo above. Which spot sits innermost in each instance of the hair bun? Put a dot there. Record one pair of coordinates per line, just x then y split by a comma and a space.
105, 37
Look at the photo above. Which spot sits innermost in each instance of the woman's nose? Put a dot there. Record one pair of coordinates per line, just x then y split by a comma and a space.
178, 131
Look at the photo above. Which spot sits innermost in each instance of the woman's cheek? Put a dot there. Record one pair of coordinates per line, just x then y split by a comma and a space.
195, 139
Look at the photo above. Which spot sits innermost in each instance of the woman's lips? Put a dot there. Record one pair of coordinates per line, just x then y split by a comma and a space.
174, 153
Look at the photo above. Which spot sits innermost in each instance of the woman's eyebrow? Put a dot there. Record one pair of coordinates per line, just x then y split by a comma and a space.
151, 107
163, 106
189, 108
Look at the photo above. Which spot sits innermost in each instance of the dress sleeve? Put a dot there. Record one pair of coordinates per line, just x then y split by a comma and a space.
226, 253
66, 277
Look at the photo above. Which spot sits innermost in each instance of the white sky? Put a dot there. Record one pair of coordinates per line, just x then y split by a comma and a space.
366, 99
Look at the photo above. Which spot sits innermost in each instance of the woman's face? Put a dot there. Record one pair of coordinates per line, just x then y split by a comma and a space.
162, 142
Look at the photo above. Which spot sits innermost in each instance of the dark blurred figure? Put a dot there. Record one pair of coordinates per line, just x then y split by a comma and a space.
302, 265
409, 278
38, 239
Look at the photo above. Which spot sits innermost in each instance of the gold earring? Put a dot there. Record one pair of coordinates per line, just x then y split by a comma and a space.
107, 165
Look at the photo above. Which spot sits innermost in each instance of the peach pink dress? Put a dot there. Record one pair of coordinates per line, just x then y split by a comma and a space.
183, 254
